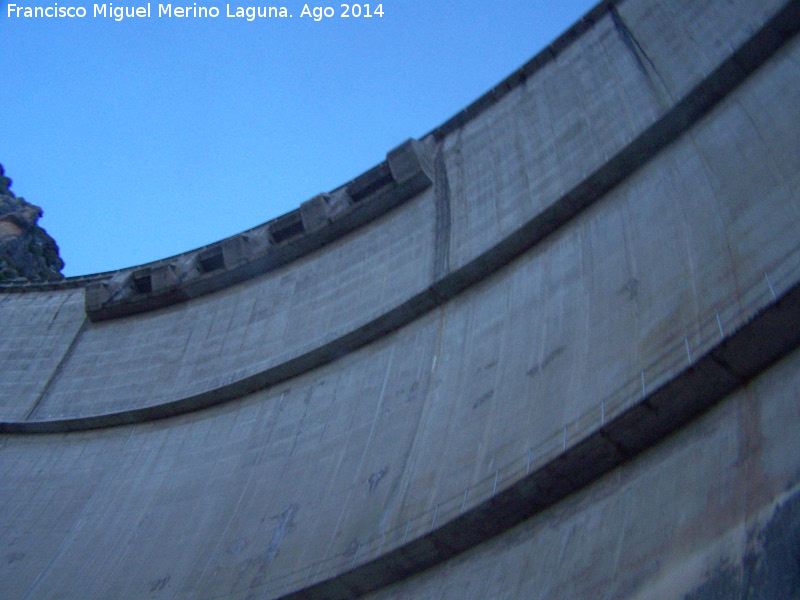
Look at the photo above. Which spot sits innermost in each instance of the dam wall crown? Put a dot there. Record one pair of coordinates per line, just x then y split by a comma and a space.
405, 173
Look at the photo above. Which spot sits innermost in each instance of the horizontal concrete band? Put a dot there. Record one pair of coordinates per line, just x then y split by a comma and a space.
697, 103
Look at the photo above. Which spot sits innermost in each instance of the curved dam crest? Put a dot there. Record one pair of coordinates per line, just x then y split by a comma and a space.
547, 350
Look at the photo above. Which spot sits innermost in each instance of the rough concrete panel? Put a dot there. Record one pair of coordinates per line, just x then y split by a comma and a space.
541, 140
199, 346
229, 498
214, 343
665, 526
548, 134
746, 171
37, 331
215, 506
599, 302
684, 41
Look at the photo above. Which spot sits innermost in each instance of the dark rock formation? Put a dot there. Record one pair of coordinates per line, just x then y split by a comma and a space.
27, 253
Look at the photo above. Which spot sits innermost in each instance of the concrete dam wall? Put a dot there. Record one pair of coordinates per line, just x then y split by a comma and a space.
548, 350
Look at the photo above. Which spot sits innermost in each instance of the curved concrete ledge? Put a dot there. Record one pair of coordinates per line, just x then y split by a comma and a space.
316, 223
562, 299
406, 171
704, 97
310, 212
617, 438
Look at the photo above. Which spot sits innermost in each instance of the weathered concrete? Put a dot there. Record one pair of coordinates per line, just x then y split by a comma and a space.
477, 392
265, 248
712, 513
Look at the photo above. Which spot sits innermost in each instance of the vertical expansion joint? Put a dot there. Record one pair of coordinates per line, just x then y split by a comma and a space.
635, 47
442, 193
627, 36
57, 371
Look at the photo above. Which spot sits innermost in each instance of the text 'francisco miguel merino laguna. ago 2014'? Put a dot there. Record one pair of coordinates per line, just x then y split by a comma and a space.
118, 13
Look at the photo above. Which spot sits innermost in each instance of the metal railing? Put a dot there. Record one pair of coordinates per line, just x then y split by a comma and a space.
678, 353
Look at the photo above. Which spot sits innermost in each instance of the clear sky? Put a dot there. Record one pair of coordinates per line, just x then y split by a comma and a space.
146, 137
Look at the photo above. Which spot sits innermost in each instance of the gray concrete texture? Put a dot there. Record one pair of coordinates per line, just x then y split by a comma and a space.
688, 519
588, 243
197, 346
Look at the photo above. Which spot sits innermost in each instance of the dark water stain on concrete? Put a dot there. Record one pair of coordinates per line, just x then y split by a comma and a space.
769, 571
536, 369
487, 396
375, 478
158, 585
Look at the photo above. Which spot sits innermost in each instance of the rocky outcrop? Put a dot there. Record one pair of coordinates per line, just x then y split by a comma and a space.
27, 252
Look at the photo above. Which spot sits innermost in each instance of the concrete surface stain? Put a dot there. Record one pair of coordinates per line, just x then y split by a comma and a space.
771, 568
376, 477
536, 369
487, 396
158, 585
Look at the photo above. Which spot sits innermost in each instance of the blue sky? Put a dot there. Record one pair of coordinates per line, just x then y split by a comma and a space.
147, 137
